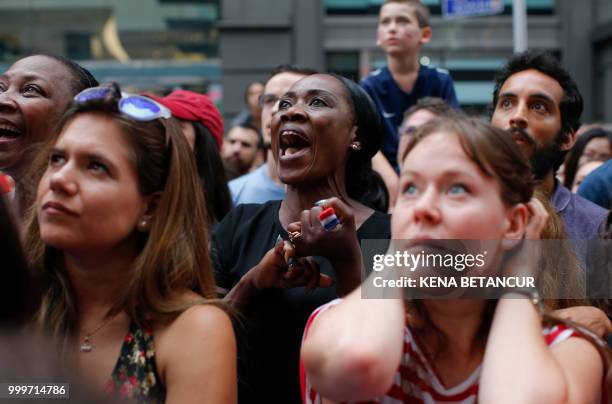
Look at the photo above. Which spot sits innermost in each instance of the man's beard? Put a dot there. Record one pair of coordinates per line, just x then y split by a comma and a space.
546, 158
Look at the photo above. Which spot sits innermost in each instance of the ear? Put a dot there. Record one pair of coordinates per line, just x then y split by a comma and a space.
515, 225
354, 139
569, 141
149, 208
425, 35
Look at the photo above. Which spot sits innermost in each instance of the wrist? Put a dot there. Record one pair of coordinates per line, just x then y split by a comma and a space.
250, 282
530, 294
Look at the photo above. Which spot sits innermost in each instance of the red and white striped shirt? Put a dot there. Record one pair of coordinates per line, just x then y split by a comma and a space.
416, 381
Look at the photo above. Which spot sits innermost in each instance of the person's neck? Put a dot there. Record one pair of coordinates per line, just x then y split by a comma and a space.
272, 172
547, 184
406, 64
304, 197
98, 280
459, 320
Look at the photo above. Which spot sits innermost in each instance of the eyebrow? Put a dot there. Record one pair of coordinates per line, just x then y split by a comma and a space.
26, 77
449, 173
91, 156
540, 96
316, 91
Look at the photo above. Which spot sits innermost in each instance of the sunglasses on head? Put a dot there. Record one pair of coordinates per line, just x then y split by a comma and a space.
138, 107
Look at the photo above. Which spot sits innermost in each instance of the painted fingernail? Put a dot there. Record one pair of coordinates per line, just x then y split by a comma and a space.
291, 261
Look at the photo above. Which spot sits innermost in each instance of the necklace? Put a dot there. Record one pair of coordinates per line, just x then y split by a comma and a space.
87, 344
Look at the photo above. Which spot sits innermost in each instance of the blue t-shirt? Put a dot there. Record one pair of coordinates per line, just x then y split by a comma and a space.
392, 101
597, 186
255, 187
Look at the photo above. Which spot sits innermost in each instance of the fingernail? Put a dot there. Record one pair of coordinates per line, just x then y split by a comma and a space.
291, 261
321, 202
279, 238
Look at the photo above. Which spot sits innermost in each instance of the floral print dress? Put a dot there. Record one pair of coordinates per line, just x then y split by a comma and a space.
135, 376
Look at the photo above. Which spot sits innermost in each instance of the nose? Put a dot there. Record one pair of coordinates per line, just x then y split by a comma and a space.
519, 117
7, 100
295, 113
61, 181
426, 208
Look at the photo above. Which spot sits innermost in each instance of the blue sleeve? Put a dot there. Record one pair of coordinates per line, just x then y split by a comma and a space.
448, 92
595, 189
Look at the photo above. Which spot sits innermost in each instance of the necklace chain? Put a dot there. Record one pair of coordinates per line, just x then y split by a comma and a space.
87, 344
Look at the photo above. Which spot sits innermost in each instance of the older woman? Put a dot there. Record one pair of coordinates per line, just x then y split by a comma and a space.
324, 134
124, 253
34, 93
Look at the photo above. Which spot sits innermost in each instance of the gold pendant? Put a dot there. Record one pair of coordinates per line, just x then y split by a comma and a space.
86, 346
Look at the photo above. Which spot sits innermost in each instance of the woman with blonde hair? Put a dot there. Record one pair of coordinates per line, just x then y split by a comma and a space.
119, 234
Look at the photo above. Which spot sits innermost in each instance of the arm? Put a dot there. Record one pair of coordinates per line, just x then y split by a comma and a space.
590, 317
353, 350
448, 93
388, 174
519, 367
199, 356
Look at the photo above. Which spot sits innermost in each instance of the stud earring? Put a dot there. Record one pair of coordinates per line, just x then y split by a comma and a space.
143, 225
355, 146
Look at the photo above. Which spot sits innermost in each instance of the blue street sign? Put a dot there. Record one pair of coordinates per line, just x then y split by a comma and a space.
468, 8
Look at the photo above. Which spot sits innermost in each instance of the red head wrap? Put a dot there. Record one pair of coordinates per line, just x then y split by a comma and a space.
194, 107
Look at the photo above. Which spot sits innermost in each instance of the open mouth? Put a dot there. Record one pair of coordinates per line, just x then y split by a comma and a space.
293, 144
8, 131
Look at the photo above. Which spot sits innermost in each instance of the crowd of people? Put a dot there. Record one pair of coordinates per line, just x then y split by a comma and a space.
165, 255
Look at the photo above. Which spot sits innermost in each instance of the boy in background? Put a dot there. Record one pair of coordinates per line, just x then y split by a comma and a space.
403, 26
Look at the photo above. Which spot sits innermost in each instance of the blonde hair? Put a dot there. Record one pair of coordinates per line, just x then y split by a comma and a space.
174, 257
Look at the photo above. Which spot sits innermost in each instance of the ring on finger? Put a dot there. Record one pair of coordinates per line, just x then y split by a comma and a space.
294, 236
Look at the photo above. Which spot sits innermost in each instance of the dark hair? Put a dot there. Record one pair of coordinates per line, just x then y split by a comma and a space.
571, 104
285, 68
420, 10
377, 194
212, 174
20, 294
571, 163
248, 88
359, 173
82, 78
435, 105
249, 126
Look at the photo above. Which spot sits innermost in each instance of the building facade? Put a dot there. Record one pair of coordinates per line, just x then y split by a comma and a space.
218, 46
340, 35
